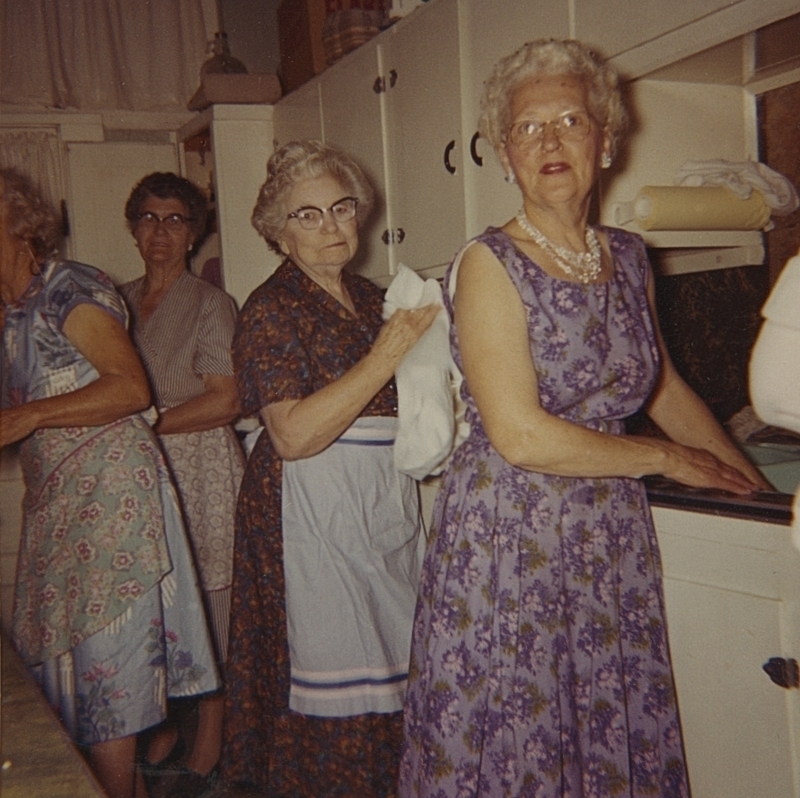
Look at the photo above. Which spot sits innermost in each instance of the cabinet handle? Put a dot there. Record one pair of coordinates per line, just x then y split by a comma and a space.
392, 78
447, 165
393, 236
473, 149
784, 672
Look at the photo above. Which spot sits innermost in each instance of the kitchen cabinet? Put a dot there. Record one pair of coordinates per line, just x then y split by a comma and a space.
233, 164
101, 178
676, 122
643, 36
490, 32
732, 590
406, 105
299, 115
607, 25
395, 106
350, 84
424, 148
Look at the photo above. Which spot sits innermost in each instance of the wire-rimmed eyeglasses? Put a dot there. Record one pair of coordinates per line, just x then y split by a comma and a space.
174, 221
569, 126
310, 217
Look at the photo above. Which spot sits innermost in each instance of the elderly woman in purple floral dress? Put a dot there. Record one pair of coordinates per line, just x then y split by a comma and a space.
540, 664
106, 601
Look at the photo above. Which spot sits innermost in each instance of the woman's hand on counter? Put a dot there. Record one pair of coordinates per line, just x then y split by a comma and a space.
699, 468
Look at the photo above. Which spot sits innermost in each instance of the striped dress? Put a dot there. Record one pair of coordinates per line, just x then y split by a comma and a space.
186, 337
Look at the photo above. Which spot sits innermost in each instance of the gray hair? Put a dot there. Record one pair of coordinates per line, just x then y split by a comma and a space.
300, 160
552, 57
28, 214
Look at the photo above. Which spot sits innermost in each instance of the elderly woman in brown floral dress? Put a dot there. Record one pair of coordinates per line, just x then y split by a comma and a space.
328, 538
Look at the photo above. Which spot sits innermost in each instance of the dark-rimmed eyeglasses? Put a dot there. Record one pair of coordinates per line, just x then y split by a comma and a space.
310, 217
569, 126
175, 221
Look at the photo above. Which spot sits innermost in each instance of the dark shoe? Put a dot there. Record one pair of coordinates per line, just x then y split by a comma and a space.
190, 784
154, 773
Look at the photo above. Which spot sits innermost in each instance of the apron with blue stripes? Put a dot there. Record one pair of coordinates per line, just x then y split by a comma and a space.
353, 547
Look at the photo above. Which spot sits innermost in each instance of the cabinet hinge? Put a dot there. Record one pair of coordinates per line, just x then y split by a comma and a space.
784, 672
379, 86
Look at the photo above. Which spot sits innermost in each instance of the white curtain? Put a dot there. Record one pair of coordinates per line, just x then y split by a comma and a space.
36, 154
91, 55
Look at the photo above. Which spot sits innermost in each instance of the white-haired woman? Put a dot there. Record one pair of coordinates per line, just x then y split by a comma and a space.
105, 595
540, 663
328, 541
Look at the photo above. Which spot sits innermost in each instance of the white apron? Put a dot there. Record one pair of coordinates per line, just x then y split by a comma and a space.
353, 549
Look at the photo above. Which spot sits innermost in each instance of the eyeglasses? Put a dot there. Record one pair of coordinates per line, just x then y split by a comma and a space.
310, 217
173, 222
570, 126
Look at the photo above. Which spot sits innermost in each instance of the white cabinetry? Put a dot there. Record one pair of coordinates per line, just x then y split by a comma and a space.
101, 178
298, 116
614, 26
240, 141
425, 156
491, 31
395, 106
352, 121
733, 602
406, 104
676, 122
646, 35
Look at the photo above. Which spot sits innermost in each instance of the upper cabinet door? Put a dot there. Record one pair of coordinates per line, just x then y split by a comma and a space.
425, 158
491, 32
297, 116
351, 121
101, 177
614, 26
646, 35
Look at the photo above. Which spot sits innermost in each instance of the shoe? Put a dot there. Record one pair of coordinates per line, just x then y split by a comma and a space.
155, 772
190, 784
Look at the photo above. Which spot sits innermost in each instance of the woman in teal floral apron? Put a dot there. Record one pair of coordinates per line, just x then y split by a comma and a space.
106, 603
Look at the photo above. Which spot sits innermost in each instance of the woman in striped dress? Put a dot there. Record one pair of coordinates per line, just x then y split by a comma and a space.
183, 326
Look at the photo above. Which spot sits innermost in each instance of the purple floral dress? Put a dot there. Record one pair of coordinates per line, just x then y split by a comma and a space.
540, 664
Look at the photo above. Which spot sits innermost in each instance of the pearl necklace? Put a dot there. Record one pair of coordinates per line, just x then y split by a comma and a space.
583, 266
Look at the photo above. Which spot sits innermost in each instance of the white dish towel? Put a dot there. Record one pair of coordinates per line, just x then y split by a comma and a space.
428, 382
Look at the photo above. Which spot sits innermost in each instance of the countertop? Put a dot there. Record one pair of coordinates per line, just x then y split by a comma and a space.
38, 758
767, 506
